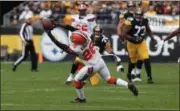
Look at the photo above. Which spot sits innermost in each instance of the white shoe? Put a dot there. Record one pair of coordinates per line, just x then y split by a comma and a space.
120, 68
136, 79
69, 79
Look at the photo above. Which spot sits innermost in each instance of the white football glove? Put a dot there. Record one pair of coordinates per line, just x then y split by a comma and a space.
120, 68
160, 44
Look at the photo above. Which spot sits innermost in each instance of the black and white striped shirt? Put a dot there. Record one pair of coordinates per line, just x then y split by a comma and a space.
26, 32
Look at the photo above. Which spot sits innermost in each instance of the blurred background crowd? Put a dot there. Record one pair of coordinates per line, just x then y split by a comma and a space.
105, 11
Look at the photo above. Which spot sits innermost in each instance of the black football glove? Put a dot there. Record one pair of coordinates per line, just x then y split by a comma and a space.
136, 40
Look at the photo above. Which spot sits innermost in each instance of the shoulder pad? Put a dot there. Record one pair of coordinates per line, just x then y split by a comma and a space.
127, 22
74, 17
91, 17
130, 18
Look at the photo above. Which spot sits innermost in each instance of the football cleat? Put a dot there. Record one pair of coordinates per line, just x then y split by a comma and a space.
34, 70
69, 79
13, 68
78, 100
120, 68
150, 81
136, 79
133, 89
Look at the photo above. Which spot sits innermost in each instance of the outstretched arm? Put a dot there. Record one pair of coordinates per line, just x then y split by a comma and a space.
109, 52
67, 27
60, 45
172, 34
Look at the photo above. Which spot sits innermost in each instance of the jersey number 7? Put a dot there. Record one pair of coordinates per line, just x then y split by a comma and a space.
140, 31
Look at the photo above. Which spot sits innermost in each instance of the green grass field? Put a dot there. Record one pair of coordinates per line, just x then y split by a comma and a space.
45, 90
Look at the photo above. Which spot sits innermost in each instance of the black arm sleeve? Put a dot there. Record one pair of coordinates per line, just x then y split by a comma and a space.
60, 45
67, 27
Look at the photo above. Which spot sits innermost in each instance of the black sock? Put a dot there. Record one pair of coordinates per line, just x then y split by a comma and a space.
148, 68
74, 68
131, 66
139, 64
118, 63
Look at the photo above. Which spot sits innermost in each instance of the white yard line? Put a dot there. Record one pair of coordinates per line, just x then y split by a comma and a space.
10, 62
111, 89
102, 89
58, 89
59, 105
75, 106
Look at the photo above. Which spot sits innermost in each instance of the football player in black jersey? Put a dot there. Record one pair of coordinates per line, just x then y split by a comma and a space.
102, 43
135, 33
129, 15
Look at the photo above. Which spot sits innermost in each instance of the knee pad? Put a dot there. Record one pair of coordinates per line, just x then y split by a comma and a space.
81, 73
112, 80
78, 84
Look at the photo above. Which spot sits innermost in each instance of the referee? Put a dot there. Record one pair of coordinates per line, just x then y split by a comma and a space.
26, 34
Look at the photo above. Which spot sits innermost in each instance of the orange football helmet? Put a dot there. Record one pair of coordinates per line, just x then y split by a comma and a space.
78, 37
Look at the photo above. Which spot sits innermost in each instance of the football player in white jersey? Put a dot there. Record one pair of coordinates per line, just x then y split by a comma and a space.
83, 47
85, 23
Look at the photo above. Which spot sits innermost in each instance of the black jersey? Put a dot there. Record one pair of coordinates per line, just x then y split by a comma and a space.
100, 42
138, 29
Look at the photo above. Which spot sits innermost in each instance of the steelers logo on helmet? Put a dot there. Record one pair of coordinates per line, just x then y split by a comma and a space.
97, 31
139, 14
79, 38
82, 10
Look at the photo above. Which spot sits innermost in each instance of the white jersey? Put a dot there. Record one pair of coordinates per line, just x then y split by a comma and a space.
87, 53
86, 24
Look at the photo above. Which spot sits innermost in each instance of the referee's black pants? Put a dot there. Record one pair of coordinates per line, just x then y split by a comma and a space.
25, 51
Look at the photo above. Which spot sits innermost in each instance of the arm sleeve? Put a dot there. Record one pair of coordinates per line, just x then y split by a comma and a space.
21, 32
65, 26
60, 45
